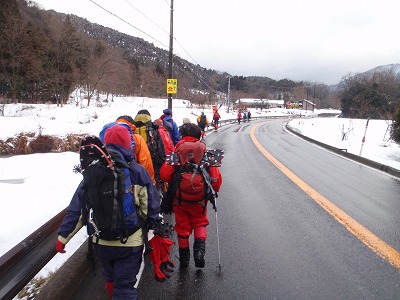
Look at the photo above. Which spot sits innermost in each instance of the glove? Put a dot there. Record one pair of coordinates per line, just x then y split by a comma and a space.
60, 247
157, 224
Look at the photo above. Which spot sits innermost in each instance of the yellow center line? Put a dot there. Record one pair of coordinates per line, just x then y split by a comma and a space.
367, 237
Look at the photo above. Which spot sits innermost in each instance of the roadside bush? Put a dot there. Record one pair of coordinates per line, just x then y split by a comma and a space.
20, 143
42, 144
5, 148
26, 143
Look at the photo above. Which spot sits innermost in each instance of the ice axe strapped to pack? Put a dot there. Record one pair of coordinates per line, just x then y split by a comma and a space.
191, 166
211, 158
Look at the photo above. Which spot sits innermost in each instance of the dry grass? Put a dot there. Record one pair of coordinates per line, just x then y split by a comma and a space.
27, 143
33, 287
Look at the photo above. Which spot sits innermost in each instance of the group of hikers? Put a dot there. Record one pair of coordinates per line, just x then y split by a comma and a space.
246, 116
139, 149
202, 121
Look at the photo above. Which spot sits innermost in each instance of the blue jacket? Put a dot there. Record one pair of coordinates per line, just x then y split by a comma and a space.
149, 205
175, 137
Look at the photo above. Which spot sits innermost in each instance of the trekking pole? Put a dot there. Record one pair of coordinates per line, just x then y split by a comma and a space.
216, 222
213, 200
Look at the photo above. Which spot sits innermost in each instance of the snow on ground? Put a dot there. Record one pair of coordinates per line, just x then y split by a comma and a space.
348, 134
36, 187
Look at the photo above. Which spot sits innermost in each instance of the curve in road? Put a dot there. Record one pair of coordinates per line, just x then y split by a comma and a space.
367, 237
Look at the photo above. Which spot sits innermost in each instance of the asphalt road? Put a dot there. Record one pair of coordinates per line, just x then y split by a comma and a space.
276, 242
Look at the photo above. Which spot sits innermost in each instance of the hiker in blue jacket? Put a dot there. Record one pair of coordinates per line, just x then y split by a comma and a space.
174, 131
120, 262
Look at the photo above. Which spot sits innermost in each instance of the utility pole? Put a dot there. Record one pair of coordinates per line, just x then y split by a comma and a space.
229, 92
171, 40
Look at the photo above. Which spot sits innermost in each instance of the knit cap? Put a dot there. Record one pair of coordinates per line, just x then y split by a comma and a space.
118, 135
167, 112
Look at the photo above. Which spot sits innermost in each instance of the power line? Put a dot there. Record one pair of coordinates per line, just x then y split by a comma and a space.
147, 17
127, 23
169, 5
176, 41
196, 74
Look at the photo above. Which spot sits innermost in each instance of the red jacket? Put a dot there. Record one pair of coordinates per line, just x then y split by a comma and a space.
166, 138
167, 171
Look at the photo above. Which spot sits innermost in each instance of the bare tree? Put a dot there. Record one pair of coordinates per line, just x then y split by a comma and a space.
63, 58
13, 53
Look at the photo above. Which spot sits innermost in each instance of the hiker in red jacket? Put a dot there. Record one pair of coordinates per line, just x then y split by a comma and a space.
189, 203
239, 116
216, 117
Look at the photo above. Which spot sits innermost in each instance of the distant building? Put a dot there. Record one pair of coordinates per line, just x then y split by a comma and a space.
275, 103
301, 104
307, 105
258, 103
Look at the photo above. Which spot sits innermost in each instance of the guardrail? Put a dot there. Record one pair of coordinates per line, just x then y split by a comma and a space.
232, 121
20, 264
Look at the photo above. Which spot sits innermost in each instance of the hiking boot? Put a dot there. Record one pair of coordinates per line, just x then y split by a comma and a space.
184, 257
199, 249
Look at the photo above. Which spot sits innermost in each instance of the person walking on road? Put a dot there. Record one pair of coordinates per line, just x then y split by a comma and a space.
170, 124
216, 117
239, 116
120, 259
188, 197
202, 121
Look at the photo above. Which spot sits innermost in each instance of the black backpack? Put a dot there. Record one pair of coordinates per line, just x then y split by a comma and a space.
156, 148
109, 201
202, 122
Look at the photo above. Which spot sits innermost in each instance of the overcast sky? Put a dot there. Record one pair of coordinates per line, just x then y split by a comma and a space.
311, 40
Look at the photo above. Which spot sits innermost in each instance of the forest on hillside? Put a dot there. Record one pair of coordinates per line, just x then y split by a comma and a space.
46, 55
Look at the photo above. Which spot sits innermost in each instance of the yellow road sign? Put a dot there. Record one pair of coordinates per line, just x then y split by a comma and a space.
172, 86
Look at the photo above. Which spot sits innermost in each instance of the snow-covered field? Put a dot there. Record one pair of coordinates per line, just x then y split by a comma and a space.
348, 134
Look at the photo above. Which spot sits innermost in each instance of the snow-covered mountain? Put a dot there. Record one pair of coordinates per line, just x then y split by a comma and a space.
393, 67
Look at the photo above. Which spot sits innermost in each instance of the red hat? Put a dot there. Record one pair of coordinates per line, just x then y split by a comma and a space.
118, 135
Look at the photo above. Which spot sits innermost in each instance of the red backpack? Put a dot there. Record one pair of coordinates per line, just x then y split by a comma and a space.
191, 186
191, 180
